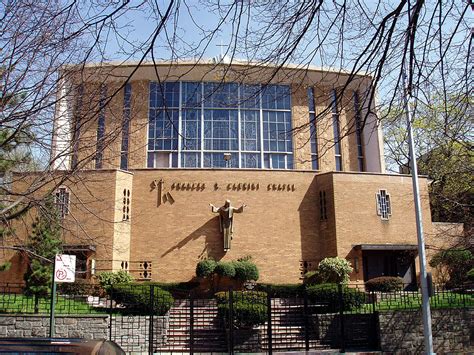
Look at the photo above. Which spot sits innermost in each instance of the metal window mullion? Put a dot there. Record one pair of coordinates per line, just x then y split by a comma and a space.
180, 128
202, 125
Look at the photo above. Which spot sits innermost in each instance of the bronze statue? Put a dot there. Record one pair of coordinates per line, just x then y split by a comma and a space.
226, 219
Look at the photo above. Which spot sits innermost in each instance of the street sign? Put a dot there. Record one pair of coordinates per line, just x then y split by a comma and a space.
65, 268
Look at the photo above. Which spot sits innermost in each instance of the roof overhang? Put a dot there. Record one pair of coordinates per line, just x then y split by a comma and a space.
382, 247
79, 248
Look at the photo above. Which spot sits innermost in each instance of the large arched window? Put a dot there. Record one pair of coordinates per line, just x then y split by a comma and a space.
219, 125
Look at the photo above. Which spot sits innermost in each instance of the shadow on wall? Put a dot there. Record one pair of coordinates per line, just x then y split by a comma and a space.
213, 241
308, 214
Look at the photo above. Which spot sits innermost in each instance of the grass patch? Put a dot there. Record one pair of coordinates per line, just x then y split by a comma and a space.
413, 301
18, 303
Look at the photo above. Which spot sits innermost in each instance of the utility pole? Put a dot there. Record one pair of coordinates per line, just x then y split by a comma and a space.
408, 102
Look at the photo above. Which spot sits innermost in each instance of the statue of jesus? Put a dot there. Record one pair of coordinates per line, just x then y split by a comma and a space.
226, 219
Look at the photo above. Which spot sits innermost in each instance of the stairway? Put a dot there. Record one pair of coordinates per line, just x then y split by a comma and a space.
208, 333
288, 327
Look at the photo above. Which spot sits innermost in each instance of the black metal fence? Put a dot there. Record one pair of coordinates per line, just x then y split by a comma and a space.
146, 318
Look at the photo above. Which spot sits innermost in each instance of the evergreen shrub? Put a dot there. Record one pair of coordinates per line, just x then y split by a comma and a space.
327, 297
108, 279
136, 298
249, 308
334, 270
225, 269
384, 284
246, 270
205, 268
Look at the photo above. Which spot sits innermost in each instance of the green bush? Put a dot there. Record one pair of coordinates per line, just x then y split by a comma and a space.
470, 275
108, 279
246, 270
282, 290
311, 278
249, 308
177, 289
334, 270
78, 287
384, 284
225, 269
137, 298
327, 297
205, 268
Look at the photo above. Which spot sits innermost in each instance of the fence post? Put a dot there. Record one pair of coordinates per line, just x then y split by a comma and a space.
231, 322
191, 325
341, 318
269, 323
150, 325
306, 315
111, 290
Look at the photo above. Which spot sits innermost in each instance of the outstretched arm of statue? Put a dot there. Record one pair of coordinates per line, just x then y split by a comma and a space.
214, 209
240, 209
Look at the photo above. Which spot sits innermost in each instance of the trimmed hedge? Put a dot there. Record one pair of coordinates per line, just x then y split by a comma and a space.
205, 268
225, 269
282, 290
177, 289
137, 299
249, 308
384, 284
327, 297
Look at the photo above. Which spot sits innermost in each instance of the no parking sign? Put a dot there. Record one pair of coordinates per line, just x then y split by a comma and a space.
65, 268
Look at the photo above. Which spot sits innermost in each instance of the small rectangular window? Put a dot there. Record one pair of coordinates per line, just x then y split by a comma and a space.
323, 212
336, 130
125, 127
384, 208
313, 130
101, 128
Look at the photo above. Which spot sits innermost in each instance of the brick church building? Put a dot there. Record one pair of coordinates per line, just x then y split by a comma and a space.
153, 146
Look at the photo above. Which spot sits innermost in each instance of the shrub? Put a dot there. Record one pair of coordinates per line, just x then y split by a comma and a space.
177, 289
136, 298
225, 269
249, 308
384, 284
334, 270
312, 278
246, 270
470, 275
205, 268
108, 279
283, 290
78, 287
327, 297
455, 263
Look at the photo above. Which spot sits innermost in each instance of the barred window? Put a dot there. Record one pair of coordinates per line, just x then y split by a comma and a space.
384, 209
145, 270
61, 201
126, 205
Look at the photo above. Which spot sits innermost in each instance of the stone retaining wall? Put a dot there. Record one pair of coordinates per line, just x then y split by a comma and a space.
70, 326
130, 332
402, 331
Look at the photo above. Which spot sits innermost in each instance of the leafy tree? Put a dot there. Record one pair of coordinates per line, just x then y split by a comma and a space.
443, 141
43, 244
453, 265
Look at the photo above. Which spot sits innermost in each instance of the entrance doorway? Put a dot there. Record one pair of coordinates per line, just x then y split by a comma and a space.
399, 263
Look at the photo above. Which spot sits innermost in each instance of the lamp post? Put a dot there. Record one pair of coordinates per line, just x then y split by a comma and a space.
407, 102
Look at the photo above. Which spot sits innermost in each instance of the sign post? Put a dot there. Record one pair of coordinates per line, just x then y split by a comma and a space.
64, 270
